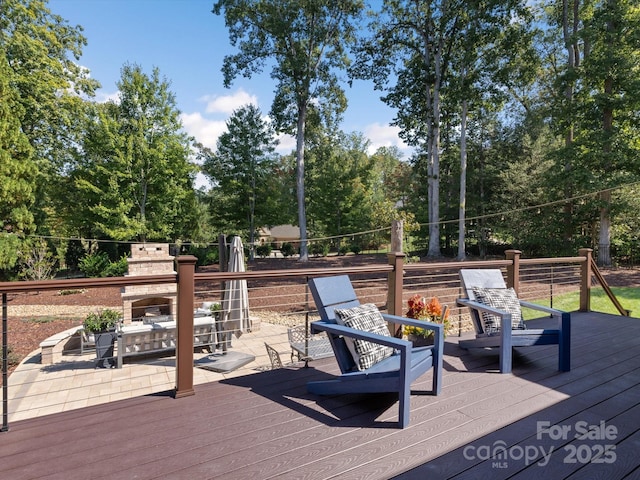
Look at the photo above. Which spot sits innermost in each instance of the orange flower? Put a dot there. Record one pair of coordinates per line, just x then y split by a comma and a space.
434, 308
420, 309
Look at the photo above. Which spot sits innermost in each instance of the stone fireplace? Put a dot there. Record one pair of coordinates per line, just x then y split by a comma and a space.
140, 301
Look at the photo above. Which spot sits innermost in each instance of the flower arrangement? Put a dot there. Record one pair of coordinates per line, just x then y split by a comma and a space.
432, 311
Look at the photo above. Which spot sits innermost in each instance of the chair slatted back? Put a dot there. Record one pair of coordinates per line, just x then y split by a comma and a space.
484, 278
329, 294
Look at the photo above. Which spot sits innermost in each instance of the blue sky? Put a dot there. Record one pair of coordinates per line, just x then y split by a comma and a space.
188, 43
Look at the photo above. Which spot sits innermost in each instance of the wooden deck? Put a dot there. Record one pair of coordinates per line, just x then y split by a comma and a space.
266, 425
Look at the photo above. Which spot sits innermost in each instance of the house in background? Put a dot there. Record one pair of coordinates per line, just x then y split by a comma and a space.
279, 234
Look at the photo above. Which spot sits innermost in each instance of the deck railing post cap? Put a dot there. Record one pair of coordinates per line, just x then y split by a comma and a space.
188, 259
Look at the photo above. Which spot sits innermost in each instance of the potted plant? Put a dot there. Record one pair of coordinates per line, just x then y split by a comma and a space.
102, 325
432, 311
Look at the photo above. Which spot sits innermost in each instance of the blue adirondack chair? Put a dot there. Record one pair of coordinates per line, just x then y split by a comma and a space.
393, 374
507, 337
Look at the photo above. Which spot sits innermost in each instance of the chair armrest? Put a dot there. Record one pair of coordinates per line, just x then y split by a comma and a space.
541, 308
336, 329
481, 307
563, 317
413, 322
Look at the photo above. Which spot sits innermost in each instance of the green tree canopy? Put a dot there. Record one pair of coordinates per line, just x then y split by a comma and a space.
42, 51
135, 175
241, 171
308, 41
17, 172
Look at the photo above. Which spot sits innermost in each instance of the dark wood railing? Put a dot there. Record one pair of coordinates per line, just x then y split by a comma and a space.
186, 279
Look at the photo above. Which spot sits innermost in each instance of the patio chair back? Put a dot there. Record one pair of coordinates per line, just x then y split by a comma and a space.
274, 356
329, 294
483, 278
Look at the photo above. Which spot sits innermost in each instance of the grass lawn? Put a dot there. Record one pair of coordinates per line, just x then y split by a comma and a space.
629, 298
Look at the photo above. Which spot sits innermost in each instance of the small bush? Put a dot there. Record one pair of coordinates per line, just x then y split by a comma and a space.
321, 249
264, 250
116, 269
343, 250
287, 249
205, 255
212, 257
94, 264
97, 265
355, 248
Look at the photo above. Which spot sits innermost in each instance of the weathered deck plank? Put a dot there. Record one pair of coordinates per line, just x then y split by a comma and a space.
267, 426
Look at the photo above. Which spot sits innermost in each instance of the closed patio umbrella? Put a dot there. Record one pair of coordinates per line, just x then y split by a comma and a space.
235, 303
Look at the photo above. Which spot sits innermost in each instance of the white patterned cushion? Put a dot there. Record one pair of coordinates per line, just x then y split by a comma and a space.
365, 317
503, 299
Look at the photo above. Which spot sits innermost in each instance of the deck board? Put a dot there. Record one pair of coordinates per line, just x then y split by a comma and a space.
266, 425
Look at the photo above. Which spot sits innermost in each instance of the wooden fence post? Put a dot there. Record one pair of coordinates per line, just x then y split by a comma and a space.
184, 324
397, 232
513, 270
395, 279
585, 279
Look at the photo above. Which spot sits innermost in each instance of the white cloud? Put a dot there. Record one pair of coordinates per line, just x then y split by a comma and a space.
104, 97
287, 144
385, 136
228, 103
205, 131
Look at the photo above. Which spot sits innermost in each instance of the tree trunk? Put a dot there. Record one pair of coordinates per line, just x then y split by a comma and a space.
302, 215
604, 238
463, 182
573, 61
433, 182
252, 213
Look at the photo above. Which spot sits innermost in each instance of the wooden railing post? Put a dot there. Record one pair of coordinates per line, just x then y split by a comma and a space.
513, 269
585, 280
184, 347
394, 290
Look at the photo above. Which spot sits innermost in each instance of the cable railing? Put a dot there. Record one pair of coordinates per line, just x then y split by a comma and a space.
278, 301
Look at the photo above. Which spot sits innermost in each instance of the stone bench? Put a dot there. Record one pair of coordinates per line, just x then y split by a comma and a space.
53, 348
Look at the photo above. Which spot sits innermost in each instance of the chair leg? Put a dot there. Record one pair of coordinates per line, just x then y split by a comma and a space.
437, 366
506, 345
404, 409
564, 343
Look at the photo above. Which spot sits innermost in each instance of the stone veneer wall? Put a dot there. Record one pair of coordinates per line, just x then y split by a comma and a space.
150, 259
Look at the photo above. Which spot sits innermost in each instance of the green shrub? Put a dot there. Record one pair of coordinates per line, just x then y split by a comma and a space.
94, 264
287, 249
264, 250
212, 257
343, 250
116, 269
98, 265
205, 255
355, 248
321, 249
